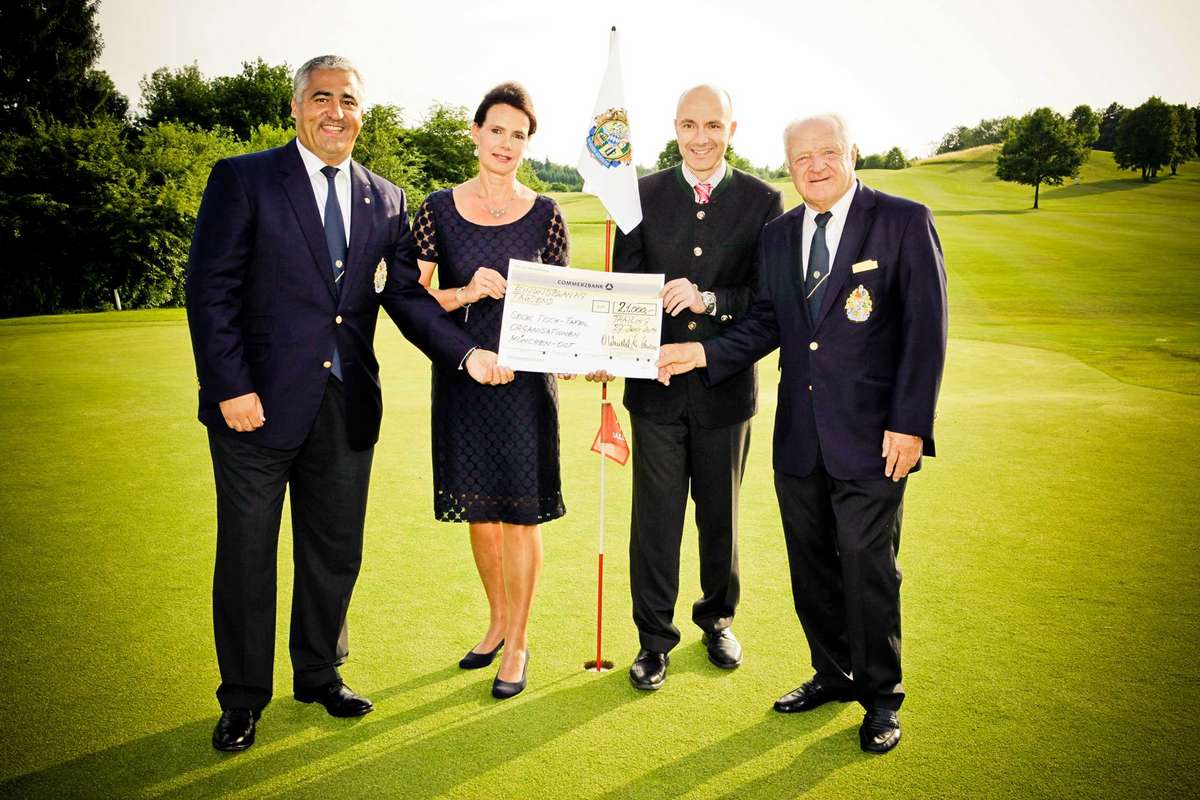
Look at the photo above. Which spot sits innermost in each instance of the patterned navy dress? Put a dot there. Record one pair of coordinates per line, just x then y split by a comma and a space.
495, 448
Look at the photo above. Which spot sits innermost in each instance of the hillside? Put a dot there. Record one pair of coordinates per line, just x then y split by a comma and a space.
1106, 271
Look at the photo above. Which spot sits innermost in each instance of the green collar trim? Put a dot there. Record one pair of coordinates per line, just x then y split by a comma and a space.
720, 187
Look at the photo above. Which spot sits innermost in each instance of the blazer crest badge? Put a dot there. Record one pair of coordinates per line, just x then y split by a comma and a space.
380, 275
608, 139
858, 305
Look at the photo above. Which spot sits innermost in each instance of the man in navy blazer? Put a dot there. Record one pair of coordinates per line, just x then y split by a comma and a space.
294, 252
853, 293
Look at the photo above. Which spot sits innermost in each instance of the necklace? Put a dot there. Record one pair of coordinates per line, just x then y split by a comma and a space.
495, 212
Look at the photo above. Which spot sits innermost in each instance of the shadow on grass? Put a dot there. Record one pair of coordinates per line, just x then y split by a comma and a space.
817, 762
982, 212
1095, 187
181, 763
434, 763
166, 758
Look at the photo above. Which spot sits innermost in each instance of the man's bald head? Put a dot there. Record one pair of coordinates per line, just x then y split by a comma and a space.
708, 93
703, 126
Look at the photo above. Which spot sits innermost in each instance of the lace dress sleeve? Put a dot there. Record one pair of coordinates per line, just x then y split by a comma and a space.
425, 233
558, 242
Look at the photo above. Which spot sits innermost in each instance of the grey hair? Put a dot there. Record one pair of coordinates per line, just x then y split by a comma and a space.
839, 124
300, 82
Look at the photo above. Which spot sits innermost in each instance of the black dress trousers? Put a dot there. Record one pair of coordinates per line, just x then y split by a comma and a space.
842, 541
668, 459
328, 484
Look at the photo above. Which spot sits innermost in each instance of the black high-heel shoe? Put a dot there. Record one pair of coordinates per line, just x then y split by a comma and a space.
502, 690
473, 660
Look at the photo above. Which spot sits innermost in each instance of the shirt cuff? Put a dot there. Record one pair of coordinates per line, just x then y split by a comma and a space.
462, 364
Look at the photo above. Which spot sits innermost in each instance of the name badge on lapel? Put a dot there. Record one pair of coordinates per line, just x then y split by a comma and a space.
864, 266
381, 276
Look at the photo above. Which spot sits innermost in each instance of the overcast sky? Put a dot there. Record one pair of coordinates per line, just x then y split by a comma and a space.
902, 73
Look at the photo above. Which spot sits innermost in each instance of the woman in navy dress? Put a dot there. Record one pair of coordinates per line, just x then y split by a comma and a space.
495, 448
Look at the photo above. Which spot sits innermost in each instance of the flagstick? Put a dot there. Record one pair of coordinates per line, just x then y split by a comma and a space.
600, 665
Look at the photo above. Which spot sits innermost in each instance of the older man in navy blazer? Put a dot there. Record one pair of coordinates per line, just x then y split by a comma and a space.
853, 293
294, 252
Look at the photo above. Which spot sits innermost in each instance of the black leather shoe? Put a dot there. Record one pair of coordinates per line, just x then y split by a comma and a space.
502, 690
473, 660
812, 694
649, 670
339, 700
723, 648
235, 730
880, 731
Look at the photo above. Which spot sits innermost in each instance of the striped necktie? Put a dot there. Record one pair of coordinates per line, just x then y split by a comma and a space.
335, 240
818, 267
703, 192
335, 229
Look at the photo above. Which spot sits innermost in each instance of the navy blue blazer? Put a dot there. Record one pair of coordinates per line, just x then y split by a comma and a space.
857, 369
263, 310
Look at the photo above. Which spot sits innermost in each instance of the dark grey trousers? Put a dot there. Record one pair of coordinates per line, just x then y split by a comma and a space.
842, 541
328, 484
668, 459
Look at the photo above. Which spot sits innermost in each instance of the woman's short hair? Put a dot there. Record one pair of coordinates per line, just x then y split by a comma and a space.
509, 93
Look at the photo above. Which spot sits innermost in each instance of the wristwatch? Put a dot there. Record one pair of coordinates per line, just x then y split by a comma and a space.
710, 302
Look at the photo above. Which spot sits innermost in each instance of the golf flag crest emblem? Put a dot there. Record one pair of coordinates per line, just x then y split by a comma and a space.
380, 276
610, 441
606, 157
858, 305
608, 140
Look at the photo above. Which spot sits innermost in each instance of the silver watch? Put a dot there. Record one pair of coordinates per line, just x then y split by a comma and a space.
710, 302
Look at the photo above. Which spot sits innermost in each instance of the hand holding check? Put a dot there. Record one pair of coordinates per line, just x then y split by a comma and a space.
679, 294
486, 282
676, 359
482, 366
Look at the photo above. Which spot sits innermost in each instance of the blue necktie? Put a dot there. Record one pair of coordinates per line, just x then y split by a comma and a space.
818, 268
335, 240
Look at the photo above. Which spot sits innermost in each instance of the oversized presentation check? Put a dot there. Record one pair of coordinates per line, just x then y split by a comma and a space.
558, 319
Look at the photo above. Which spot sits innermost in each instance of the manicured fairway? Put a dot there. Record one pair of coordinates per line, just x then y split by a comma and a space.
1049, 554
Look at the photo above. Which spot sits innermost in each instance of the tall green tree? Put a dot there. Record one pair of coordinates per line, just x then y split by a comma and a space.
1185, 141
383, 148
1147, 138
260, 95
181, 95
894, 159
988, 131
527, 175
1110, 119
444, 142
1086, 124
1041, 148
47, 64
82, 213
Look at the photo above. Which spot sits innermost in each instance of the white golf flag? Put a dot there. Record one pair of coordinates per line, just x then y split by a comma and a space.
606, 162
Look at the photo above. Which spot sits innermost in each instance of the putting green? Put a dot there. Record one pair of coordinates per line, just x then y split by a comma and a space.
1050, 563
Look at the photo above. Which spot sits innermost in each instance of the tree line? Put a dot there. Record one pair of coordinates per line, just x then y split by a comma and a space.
1045, 147
96, 198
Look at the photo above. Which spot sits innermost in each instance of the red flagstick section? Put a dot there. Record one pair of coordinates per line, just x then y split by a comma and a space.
603, 401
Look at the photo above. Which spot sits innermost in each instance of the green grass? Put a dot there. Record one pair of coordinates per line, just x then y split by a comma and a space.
1108, 269
1050, 562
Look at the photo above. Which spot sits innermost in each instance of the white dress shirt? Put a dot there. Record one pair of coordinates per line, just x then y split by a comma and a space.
320, 185
833, 228
713, 180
